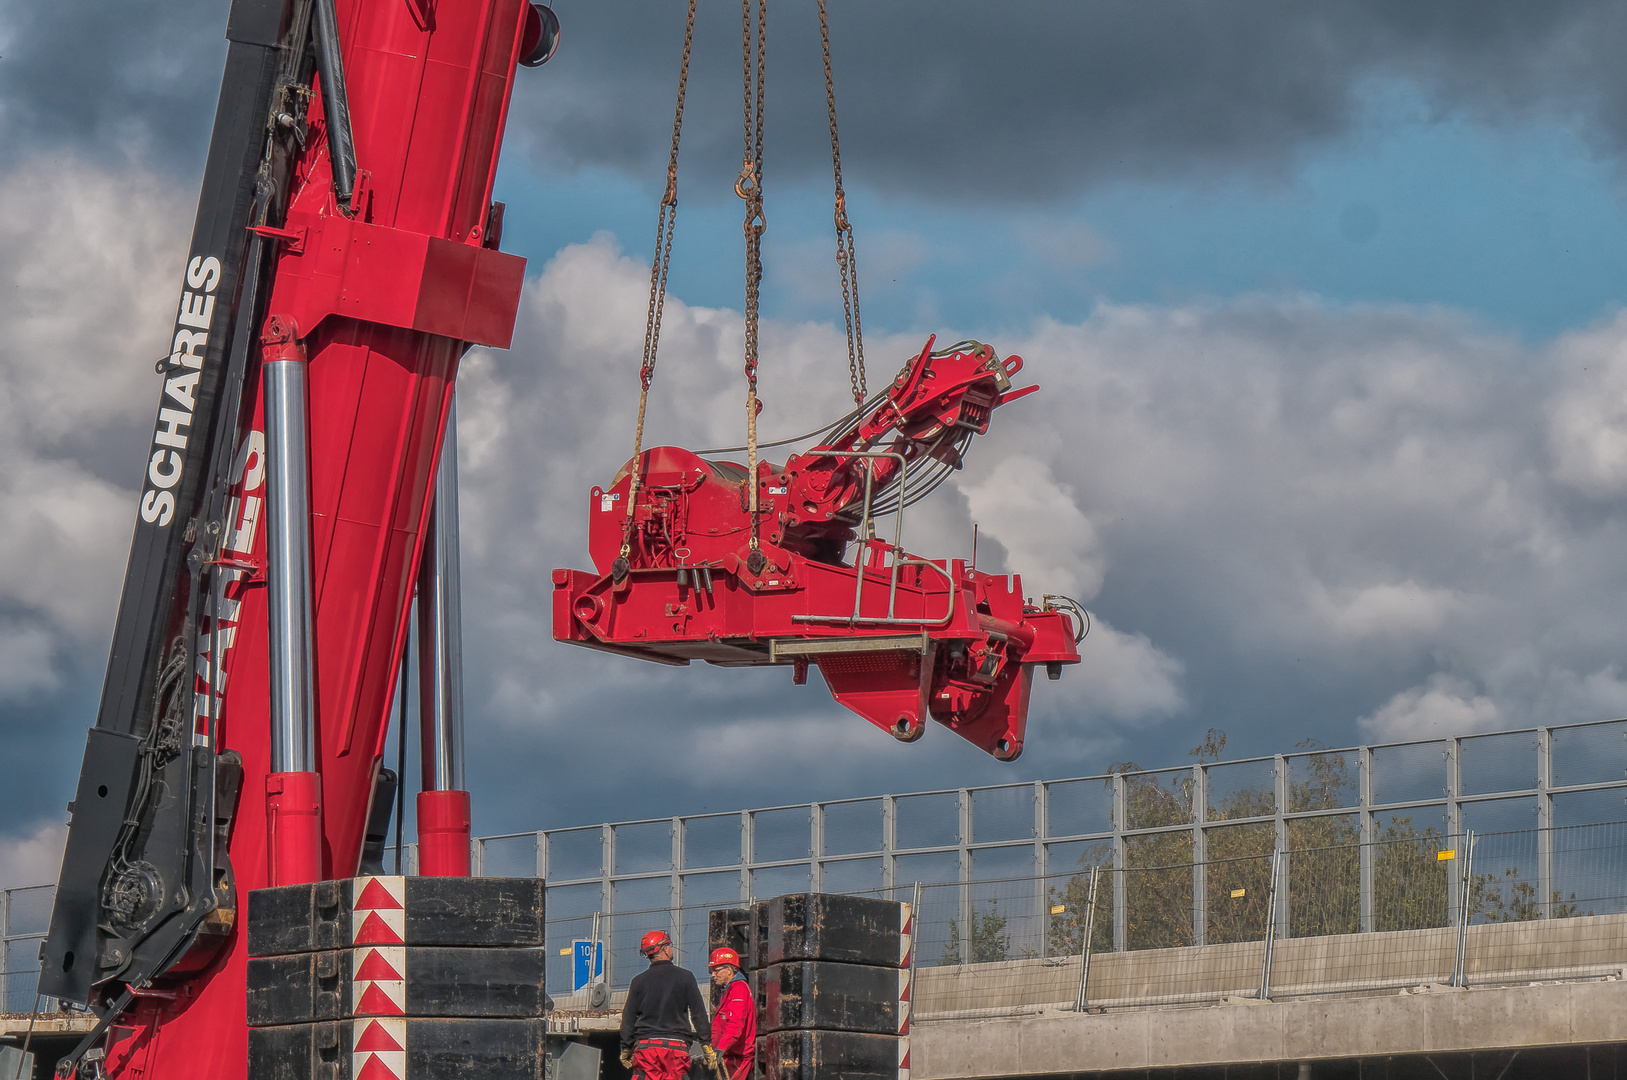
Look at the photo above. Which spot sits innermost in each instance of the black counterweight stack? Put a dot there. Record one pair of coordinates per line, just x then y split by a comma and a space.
397, 978
832, 980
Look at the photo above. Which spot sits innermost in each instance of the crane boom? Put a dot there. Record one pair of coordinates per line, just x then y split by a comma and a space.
367, 263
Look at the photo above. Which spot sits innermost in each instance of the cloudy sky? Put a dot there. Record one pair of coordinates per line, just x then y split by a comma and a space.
1325, 301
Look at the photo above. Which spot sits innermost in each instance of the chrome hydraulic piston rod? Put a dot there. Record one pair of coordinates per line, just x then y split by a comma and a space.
293, 789
443, 804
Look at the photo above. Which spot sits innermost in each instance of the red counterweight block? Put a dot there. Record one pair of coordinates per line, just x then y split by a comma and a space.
385, 303
897, 638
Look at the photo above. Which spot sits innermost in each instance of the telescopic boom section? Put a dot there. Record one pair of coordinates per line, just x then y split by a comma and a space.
318, 336
896, 637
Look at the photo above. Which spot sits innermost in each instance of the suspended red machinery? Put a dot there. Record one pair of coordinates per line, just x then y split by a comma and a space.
685, 575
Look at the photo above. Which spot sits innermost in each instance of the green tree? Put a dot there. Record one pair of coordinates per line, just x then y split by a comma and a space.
1066, 931
1409, 878
990, 940
1322, 867
1486, 899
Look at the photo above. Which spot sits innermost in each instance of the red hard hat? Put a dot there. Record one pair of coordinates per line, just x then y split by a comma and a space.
654, 940
724, 956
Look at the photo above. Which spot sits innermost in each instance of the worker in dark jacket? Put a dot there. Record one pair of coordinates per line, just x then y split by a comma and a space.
664, 1012
734, 1025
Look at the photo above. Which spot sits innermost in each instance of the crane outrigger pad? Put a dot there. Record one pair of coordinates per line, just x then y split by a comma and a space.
683, 572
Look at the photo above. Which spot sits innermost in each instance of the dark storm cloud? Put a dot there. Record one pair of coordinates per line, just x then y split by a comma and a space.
100, 77
1018, 100
1032, 98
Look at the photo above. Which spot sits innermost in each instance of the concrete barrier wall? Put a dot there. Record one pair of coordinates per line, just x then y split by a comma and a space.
1494, 953
1306, 1029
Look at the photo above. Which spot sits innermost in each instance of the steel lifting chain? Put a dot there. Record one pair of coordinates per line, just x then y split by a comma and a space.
659, 264
847, 262
750, 188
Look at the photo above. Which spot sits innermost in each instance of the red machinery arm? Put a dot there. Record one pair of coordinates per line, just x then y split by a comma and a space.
897, 638
934, 406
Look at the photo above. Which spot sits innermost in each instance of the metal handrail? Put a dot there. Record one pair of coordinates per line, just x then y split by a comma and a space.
900, 558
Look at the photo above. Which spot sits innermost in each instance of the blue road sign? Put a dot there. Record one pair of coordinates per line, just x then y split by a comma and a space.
581, 974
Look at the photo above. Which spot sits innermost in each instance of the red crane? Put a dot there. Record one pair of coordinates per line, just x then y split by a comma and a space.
297, 491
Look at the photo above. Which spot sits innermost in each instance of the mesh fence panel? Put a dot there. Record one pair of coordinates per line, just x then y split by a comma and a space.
980, 949
853, 827
1003, 813
577, 853
27, 915
1324, 884
643, 846
1240, 789
1322, 781
1078, 807
711, 840
507, 856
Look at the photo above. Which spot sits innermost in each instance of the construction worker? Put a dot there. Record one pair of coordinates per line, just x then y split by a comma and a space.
734, 1024
663, 1014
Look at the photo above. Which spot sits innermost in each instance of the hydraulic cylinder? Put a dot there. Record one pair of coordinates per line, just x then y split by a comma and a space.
293, 788
443, 804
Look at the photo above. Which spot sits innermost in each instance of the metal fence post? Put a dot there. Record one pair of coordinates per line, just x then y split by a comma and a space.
747, 853
1270, 926
1200, 856
915, 946
676, 888
542, 855
5, 950
1084, 950
1465, 884
889, 836
1042, 885
607, 897
816, 847
964, 802
1545, 822
1280, 896
1454, 830
1364, 795
1120, 857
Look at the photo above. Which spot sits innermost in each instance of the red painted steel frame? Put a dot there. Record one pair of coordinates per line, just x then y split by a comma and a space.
385, 304
897, 638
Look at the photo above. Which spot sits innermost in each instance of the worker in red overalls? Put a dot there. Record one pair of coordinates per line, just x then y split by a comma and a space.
663, 1015
734, 1024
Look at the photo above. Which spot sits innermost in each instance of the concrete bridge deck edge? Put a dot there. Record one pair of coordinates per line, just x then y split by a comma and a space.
1438, 1020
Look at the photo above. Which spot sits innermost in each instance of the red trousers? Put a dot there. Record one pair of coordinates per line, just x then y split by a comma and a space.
738, 1068
661, 1059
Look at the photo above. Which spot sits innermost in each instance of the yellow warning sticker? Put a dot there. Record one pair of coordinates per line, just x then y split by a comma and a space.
1238, 892
1059, 909
565, 951
1443, 856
